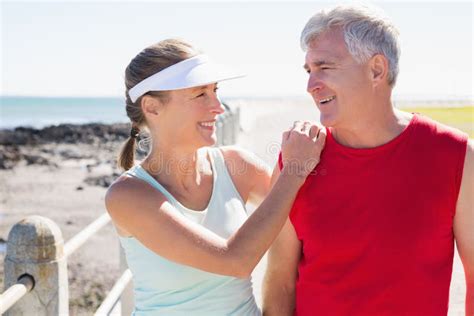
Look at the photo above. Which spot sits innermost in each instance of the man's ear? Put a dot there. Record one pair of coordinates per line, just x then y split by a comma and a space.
150, 105
379, 69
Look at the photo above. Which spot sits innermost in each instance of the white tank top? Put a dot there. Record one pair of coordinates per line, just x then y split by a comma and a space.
164, 287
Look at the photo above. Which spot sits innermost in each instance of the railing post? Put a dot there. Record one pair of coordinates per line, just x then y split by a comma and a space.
219, 132
236, 124
126, 300
35, 247
228, 128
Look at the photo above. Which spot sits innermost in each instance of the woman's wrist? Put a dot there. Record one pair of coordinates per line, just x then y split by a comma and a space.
293, 175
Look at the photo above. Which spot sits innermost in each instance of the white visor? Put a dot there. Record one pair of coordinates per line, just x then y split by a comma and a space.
192, 72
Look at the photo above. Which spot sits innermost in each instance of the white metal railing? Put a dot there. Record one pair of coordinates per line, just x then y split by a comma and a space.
35, 244
24, 285
78, 240
114, 295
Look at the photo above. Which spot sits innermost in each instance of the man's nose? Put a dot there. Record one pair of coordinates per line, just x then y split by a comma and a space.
314, 84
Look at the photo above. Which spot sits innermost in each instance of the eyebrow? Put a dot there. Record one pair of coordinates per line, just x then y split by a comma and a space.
200, 88
319, 63
197, 89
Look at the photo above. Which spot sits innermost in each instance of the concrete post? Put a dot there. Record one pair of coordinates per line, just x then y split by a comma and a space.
35, 247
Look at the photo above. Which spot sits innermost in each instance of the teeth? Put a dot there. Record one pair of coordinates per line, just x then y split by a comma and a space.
327, 99
209, 124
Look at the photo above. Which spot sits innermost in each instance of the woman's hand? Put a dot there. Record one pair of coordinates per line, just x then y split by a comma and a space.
301, 148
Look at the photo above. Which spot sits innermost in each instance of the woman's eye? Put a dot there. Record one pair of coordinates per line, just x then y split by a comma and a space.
204, 93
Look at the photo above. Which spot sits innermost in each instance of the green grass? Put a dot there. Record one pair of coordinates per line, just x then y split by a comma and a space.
459, 117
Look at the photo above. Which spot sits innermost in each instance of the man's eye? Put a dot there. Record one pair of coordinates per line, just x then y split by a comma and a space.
201, 95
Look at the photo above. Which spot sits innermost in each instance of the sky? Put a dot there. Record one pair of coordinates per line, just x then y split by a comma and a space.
81, 48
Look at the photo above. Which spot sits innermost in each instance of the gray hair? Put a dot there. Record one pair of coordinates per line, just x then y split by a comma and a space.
366, 32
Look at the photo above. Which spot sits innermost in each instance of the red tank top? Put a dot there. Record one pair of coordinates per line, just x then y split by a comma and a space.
376, 225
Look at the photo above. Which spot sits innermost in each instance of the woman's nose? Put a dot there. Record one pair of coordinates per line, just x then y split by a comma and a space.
217, 106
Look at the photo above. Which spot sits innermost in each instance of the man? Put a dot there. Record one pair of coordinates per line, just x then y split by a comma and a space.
372, 230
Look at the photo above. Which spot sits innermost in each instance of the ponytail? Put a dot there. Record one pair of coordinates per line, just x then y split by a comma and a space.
126, 158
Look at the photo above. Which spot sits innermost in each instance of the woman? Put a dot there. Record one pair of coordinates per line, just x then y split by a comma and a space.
180, 213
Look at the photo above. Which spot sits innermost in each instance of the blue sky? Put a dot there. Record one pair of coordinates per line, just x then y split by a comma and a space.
65, 48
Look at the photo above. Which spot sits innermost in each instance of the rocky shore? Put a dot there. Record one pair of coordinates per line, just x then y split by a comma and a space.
61, 172
45, 146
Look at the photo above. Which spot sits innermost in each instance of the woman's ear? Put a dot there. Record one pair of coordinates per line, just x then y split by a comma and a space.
150, 105
379, 69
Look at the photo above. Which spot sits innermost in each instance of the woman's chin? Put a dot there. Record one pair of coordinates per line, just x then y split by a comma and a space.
211, 141
208, 140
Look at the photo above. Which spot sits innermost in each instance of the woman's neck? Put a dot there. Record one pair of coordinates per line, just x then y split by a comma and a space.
180, 168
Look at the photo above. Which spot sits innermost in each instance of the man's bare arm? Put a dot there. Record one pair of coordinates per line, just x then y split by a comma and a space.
280, 277
464, 226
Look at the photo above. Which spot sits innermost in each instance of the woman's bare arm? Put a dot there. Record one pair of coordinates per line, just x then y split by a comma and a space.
137, 208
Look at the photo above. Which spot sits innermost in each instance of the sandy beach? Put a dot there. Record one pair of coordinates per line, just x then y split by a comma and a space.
65, 177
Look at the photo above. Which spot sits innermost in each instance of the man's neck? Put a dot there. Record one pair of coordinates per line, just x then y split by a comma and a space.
373, 132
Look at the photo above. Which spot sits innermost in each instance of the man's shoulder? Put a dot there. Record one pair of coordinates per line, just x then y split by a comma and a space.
431, 131
440, 145
437, 128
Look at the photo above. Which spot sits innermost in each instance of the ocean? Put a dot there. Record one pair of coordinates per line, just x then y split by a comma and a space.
39, 112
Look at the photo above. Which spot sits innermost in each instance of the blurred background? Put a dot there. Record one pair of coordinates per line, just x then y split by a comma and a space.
80, 49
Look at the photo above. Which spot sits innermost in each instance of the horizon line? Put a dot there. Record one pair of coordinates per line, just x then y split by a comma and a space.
406, 97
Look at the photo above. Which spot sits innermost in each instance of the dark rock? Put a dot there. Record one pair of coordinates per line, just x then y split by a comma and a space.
91, 295
80, 188
65, 133
73, 154
9, 157
103, 181
36, 160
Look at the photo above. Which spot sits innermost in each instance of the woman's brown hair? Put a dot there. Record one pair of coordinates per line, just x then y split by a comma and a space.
148, 62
